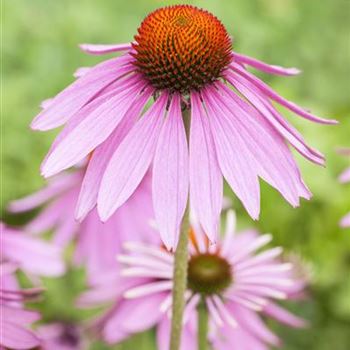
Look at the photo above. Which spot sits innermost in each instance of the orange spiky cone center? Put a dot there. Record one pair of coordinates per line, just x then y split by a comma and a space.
181, 48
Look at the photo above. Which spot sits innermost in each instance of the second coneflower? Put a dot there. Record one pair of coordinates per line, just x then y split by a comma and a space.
181, 59
231, 284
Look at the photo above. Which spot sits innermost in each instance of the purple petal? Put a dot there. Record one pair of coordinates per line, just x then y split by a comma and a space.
58, 185
237, 339
133, 316
264, 67
75, 96
131, 160
102, 154
114, 89
170, 175
66, 231
253, 324
34, 256
344, 176
188, 339
274, 161
274, 96
47, 219
16, 337
345, 221
101, 49
18, 316
264, 106
100, 295
90, 132
282, 315
206, 183
234, 159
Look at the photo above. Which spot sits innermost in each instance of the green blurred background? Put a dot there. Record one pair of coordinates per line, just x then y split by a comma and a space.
39, 54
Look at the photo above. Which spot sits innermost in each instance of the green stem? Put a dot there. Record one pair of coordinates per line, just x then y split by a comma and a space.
180, 265
202, 326
180, 282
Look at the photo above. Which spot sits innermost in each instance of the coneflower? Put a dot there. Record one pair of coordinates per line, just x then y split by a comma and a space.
180, 101
181, 59
234, 282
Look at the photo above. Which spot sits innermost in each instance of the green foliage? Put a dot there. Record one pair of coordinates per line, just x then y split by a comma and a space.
39, 52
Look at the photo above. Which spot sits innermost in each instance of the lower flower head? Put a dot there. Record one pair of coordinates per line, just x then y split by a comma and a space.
208, 274
234, 281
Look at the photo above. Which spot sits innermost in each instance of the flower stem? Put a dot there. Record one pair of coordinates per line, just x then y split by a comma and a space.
180, 282
180, 264
202, 326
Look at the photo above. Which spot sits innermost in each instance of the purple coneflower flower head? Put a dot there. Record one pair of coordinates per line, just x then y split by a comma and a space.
181, 59
61, 336
232, 280
97, 243
15, 319
344, 177
33, 256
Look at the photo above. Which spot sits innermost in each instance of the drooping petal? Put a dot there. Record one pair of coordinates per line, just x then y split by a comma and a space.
100, 295
102, 49
252, 323
132, 316
17, 315
46, 219
32, 255
131, 160
90, 132
284, 316
274, 161
264, 67
188, 338
16, 337
275, 119
206, 183
58, 185
75, 96
237, 339
65, 232
234, 159
274, 96
102, 154
170, 175
116, 88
